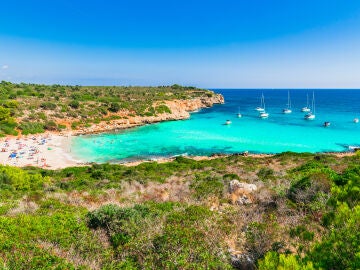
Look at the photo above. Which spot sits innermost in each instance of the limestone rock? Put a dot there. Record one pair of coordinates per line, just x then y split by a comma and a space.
241, 193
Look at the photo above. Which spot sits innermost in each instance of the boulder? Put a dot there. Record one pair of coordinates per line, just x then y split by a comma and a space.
236, 184
241, 193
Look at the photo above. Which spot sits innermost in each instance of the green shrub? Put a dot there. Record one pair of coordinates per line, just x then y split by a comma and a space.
162, 109
50, 125
31, 128
265, 174
13, 178
74, 104
205, 186
4, 113
48, 106
114, 107
340, 248
276, 261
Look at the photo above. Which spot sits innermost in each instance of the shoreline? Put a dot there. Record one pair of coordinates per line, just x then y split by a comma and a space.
53, 151
48, 150
215, 156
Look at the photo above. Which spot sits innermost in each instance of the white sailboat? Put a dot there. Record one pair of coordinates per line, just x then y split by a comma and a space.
311, 114
261, 107
288, 110
306, 108
263, 114
239, 114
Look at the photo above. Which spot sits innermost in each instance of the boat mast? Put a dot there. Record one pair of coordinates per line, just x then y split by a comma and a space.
307, 100
313, 105
263, 100
289, 101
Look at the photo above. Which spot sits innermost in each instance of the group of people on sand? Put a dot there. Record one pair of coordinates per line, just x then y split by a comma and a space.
24, 151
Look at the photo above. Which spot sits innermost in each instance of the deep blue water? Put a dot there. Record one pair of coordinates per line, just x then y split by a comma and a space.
205, 133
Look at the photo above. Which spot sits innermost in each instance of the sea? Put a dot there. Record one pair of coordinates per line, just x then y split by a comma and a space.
206, 133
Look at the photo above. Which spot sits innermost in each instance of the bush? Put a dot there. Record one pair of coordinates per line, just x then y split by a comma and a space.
162, 109
4, 113
114, 107
340, 248
17, 179
50, 125
31, 128
48, 106
306, 189
205, 186
276, 261
74, 104
8, 127
266, 174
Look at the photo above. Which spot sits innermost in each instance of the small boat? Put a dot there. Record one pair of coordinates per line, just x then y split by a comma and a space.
326, 124
288, 110
261, 108
356, 120
306, 108
264, 114
239, 114
311, 114
228, 122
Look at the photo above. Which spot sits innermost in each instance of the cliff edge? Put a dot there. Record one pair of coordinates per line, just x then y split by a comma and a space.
180, 110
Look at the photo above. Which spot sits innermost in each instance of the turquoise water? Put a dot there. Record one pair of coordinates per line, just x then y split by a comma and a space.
205, 133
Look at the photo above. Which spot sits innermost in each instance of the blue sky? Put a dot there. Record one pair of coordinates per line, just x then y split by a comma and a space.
232, 44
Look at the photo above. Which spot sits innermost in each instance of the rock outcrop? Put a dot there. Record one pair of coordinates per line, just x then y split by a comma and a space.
241, 193
180, 109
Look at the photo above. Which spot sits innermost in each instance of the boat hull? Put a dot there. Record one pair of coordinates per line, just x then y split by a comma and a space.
287, 111
310, 116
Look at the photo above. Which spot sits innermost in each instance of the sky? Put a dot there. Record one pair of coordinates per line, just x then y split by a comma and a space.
203, 43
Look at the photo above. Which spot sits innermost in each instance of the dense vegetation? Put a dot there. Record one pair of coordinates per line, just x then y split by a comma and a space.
33, 108
178, 215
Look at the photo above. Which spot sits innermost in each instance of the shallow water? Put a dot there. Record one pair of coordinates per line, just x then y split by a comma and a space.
205, 133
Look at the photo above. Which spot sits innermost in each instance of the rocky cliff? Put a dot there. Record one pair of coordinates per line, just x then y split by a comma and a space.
180, 109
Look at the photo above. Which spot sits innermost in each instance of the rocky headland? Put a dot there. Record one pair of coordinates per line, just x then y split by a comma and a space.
180, 110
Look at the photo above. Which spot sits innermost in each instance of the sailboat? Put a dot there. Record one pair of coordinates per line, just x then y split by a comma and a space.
306, 108
263, 114
311, 114
288, 110
261, 107
239, 114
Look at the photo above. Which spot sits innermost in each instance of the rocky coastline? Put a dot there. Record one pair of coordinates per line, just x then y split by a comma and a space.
180, 110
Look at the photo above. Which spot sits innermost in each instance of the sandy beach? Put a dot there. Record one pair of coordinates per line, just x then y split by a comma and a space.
51, 151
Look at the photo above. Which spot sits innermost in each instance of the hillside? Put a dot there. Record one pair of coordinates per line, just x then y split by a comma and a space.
32, 108
289, 211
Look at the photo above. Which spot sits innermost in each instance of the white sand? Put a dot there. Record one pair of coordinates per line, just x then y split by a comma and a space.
50, 151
